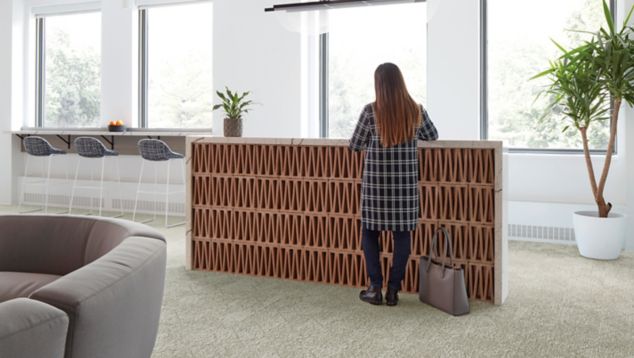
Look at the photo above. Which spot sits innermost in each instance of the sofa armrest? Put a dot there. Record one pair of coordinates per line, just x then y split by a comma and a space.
31, 329
113, 303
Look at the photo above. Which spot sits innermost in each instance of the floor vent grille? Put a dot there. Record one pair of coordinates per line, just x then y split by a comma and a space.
541, 233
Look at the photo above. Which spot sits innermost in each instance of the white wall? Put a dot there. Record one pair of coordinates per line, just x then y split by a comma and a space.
118, 64
453, 67
252, 51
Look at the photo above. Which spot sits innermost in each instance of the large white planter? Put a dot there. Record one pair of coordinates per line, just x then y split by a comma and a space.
599, 238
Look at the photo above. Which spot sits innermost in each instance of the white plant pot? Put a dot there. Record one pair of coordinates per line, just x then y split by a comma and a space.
599, 238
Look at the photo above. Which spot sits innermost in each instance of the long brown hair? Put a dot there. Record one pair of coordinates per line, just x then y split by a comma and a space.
396, 114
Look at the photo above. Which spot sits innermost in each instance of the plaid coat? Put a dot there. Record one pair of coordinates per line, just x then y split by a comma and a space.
389, 192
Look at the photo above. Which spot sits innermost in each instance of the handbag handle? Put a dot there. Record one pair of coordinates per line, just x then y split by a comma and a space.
434, 244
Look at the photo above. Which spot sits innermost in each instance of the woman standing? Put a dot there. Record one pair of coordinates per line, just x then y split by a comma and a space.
389, 129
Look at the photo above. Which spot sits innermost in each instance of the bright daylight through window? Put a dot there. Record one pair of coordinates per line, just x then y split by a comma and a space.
360, 39
519, 47
179, 90
69, 67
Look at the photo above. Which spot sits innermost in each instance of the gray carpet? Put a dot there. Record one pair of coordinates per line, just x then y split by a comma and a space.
560, 305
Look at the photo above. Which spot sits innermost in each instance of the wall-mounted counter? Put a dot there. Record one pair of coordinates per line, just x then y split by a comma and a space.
289, 208
123, 142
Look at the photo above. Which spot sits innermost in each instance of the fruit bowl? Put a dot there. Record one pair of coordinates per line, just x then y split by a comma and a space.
116, 128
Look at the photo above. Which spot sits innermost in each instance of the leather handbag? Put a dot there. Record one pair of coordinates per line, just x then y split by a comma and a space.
442, 286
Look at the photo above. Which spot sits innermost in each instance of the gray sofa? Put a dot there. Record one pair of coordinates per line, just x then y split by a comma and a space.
96, 282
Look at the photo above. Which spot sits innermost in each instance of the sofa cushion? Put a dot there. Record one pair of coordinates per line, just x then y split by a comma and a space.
114, 303
32, 329
22, 284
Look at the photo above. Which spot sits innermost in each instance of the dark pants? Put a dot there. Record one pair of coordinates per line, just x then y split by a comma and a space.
399, 262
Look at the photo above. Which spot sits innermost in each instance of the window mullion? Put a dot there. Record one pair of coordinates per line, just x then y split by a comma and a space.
323, 85
143, 68
484, 104
39, 70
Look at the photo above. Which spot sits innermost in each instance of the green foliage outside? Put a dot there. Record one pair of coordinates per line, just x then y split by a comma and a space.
73, 88
73, 84
182, 97
359, 41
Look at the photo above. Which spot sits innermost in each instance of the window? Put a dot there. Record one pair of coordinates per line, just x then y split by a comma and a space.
68, 70
360, 39
176, 66
519, 47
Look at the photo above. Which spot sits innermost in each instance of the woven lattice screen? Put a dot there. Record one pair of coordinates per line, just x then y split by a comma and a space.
292, 211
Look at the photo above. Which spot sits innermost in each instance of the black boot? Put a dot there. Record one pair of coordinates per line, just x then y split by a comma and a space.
391, 296
372, 295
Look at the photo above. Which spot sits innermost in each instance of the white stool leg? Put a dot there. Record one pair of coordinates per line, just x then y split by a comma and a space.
119, 187
182, 168
72, 191
167, 191
103, 163
91, 169
47, 182
66, 169
68, 175
156, 192
25, 180
183, 172
42, 181
138, 188
22, 190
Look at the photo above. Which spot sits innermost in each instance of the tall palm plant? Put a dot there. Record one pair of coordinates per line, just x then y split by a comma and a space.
587, 81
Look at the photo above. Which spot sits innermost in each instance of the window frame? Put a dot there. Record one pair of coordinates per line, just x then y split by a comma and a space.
323, 85
39, 16
484, 92
40, 63
143, 67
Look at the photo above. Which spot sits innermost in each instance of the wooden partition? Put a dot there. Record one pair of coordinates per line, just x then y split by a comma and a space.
290, 208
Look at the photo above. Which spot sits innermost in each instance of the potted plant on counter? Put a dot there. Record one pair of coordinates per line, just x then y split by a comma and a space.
234, 105
588, 84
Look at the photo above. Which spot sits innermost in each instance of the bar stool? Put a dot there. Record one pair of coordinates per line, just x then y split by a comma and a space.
156, 151
38, 147
89, 149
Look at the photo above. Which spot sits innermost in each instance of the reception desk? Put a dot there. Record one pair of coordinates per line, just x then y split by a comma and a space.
290, 208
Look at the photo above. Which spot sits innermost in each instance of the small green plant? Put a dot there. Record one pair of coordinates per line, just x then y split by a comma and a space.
589, 83
233, 103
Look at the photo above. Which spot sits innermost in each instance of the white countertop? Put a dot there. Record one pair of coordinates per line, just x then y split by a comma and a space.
198, 138
105, 132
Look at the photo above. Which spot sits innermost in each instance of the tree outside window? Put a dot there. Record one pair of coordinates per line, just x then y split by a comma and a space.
72, 80
179, 66
360, 39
